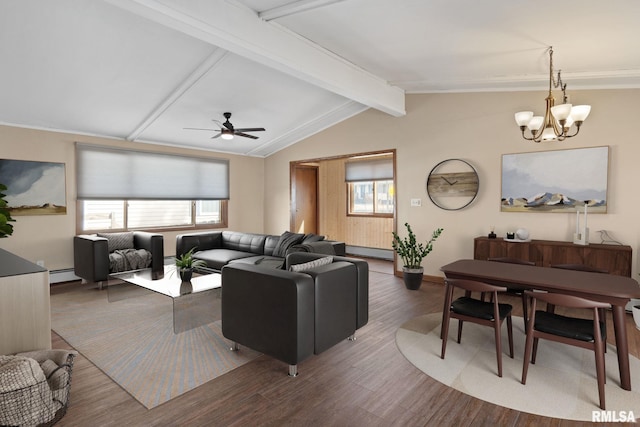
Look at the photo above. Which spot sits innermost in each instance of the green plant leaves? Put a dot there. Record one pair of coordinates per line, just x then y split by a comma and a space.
412, 252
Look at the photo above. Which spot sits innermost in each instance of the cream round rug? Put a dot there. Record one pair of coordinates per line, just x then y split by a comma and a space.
562, 383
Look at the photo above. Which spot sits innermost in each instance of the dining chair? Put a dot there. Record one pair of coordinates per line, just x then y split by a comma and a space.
517, 292
587, 268
575, 331
466, 308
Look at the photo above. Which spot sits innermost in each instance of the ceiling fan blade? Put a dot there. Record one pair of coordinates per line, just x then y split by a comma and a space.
216, 136
246, 135
249, 129
199, 129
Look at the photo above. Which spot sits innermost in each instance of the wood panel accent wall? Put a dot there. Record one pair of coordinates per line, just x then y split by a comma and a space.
333, 221
616, 259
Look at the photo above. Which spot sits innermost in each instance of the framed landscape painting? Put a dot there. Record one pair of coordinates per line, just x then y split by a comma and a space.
34, 188
555, 181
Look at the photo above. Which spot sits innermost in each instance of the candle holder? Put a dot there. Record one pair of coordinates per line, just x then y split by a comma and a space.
581, 237
492, 234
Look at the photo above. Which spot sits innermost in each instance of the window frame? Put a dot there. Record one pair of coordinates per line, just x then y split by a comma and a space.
224, 208
374, 214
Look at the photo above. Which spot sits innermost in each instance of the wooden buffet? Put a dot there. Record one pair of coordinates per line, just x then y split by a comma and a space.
616, 259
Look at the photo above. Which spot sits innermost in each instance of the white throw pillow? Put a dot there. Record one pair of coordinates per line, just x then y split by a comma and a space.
311, 264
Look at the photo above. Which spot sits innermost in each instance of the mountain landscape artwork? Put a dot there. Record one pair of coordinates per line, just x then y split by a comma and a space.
34, 188
555, 181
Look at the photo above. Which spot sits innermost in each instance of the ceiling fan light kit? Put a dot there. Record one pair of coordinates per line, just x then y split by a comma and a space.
558, 120
227, 131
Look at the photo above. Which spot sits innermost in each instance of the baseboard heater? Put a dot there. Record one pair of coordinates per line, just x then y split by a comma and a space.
63, 275
386, 254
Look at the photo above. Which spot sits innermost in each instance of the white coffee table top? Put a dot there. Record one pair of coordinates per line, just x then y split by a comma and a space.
168, 283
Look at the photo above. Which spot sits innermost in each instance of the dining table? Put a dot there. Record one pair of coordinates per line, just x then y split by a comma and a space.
613, 289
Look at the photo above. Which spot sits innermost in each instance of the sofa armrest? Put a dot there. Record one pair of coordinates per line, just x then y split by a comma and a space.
270, 311
363, 278
335, 303
154, 243
91, 258
200, 241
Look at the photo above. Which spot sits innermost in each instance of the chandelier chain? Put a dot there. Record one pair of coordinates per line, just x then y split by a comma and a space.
557, 82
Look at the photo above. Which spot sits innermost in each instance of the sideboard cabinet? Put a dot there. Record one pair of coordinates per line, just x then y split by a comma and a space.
616, 259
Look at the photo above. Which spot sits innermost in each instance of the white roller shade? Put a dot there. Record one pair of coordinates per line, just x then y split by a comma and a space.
369, 170
115, 173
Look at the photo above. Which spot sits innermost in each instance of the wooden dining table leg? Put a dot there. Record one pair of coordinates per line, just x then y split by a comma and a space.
622, 348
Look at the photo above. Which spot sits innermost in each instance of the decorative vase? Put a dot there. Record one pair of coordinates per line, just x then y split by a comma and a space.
412, 277
185, 274
636, 315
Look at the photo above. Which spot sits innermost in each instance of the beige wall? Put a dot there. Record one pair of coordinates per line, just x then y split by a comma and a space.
49, 238
477, 127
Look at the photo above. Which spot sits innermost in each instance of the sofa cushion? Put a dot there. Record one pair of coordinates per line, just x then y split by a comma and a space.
246, 242
286, 241
311, 264
218, 258
117, 241
262, 260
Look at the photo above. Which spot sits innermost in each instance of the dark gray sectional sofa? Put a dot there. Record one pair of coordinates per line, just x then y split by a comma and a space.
219, 248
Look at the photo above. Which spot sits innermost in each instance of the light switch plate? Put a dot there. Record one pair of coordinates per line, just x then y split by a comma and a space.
416, 202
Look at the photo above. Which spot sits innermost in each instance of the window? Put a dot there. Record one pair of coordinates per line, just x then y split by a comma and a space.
119, 215
370, 186
371, 198
121, 189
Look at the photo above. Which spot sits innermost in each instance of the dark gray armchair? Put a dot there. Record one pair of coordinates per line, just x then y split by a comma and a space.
293, 315
91, 254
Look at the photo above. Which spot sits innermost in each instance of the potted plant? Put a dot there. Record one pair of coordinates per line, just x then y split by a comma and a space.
412, 253
6, 229
185, 264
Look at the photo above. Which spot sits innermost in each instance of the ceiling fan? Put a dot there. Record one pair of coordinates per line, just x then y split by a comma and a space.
227, 131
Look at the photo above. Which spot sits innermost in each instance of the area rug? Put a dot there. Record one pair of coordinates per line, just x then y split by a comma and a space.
562, 383
132, 341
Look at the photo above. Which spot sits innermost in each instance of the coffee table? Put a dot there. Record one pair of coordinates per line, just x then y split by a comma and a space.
195, 303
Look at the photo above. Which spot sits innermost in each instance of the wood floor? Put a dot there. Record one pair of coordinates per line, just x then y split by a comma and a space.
363, 383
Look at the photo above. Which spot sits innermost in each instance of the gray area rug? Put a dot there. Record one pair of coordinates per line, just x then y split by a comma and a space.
562, 383
132, 341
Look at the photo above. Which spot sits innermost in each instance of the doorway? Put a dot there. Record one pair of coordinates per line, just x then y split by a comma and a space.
304, 198
325, 201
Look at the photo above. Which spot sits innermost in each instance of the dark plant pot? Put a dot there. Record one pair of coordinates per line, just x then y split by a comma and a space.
185, 274
412, 277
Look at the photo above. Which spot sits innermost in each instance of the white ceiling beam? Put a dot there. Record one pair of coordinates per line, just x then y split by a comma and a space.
206, 66
295, 7
239, 30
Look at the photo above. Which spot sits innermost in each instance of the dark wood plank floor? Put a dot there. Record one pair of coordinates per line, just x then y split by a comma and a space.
363, 383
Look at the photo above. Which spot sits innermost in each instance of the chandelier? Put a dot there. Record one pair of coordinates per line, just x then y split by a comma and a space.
558, 120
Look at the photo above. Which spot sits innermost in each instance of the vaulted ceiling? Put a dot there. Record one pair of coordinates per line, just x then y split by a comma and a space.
143, 70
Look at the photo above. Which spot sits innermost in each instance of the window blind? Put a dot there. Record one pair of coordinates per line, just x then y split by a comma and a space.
116, 173
369, 170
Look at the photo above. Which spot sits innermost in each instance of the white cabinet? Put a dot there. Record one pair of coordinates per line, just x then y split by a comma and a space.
25, 311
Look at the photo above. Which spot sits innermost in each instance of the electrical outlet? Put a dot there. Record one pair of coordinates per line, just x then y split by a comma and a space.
416, 202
